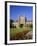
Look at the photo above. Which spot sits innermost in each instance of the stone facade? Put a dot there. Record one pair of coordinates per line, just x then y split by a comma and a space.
21, 20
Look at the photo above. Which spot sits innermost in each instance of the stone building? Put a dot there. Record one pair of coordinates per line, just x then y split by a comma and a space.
22, 21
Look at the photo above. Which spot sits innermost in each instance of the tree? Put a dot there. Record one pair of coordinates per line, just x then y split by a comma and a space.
31, 25
21, 25
11, 21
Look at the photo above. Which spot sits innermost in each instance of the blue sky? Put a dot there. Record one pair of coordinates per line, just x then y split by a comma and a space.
16, 11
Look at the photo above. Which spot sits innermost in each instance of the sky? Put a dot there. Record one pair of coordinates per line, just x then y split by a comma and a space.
16, 11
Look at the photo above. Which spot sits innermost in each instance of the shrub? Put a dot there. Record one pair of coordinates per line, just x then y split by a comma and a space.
19, 35
31, 25
21, 25
25, 31
11, 21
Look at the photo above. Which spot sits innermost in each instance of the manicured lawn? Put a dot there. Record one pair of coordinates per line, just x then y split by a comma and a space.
13, 31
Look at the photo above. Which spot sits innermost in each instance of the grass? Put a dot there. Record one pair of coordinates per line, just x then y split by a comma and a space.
13, 31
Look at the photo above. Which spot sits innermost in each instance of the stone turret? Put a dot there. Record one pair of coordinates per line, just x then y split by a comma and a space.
22, 20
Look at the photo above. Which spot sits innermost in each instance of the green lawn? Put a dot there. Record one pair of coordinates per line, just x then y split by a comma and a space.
14, 30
